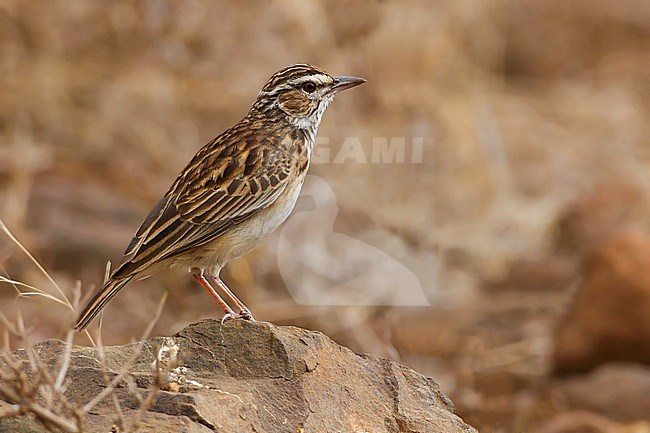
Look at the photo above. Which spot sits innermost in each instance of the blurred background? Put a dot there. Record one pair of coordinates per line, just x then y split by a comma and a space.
524, 223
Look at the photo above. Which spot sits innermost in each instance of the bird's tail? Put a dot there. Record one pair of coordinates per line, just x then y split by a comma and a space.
99, 301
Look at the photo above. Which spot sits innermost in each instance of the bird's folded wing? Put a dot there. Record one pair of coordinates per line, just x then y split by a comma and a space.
218, 189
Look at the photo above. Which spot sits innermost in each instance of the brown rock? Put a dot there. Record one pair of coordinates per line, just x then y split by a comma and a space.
597, 215
621, 392
587, 422
543, 275
255, 377
609, 318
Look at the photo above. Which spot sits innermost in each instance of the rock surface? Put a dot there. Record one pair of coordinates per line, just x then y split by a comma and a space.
608, 319
619, 391
588, 422
253, 377
599, 214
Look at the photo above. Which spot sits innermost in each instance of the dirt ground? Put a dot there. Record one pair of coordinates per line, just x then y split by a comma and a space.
524, 126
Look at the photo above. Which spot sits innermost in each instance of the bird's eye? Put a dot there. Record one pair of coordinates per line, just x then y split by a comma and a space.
309, 87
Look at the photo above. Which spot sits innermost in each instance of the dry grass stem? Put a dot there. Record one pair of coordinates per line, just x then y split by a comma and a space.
63, 299
30, 387
136, 353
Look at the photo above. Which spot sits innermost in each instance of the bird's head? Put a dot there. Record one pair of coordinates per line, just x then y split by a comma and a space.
302, 92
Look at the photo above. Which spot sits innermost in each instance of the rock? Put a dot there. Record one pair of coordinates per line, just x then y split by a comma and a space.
551, 273
618, 391
253, 377
597, 215
587, 422
609, 318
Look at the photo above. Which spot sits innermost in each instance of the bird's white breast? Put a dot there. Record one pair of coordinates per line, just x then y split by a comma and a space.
248, 234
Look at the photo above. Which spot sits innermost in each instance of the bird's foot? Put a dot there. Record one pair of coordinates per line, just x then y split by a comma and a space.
228, 316
243, 314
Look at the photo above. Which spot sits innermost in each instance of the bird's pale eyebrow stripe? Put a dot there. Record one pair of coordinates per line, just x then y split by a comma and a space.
317, 78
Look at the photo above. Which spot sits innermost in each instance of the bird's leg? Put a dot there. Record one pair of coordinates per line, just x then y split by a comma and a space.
244, 312
198, 276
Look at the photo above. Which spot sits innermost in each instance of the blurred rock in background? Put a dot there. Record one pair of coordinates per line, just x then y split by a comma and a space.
597, 215
609, 318
617, 390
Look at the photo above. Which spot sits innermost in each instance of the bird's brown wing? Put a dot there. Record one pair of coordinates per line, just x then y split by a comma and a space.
222, 186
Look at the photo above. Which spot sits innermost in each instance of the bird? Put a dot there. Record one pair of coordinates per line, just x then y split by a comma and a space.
235, 191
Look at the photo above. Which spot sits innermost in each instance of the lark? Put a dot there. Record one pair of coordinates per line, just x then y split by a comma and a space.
236, 190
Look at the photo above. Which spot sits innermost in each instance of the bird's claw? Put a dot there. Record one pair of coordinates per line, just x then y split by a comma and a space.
228, 316
244, 314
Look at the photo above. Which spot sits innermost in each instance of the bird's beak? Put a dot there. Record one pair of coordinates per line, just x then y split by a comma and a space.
345, 82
